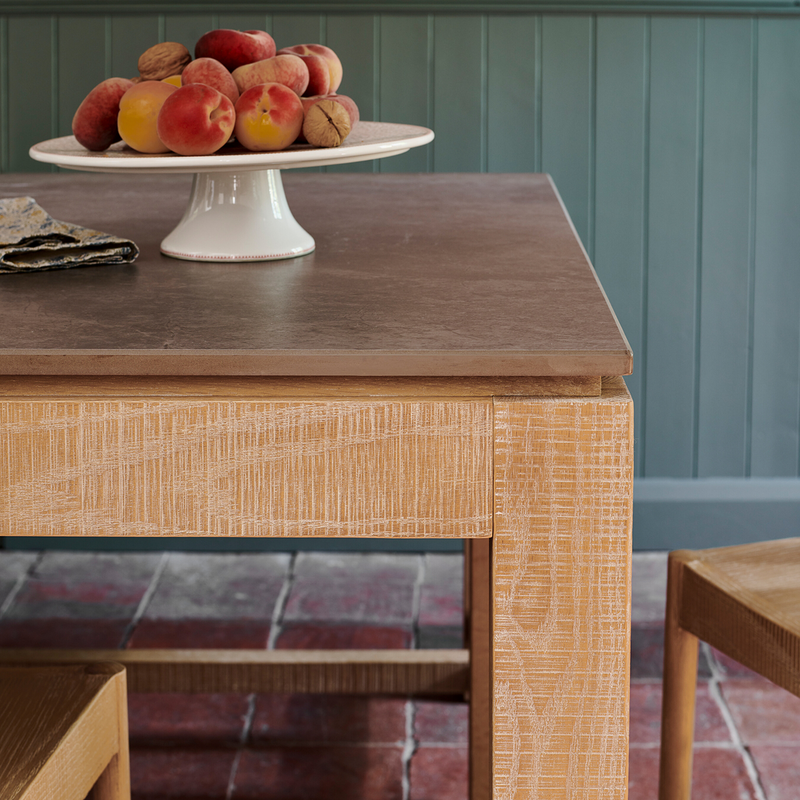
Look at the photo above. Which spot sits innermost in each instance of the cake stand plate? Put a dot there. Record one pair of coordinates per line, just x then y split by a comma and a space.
237, 209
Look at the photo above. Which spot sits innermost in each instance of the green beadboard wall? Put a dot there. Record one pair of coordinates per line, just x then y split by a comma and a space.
673, 134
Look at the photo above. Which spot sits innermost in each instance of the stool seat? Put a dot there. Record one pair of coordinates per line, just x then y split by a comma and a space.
744, 601
64, 733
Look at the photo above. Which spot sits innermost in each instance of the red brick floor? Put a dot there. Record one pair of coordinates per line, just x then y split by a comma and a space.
233, 746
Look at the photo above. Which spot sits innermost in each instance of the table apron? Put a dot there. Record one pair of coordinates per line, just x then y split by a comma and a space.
235, 467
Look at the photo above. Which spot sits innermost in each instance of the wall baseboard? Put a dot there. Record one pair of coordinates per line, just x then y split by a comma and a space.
713, 512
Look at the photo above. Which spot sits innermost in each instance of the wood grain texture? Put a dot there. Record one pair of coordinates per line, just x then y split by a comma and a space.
62, 728
32, 386
562, 559
743, 601
679, 688
478, 629
384, 672
176, 467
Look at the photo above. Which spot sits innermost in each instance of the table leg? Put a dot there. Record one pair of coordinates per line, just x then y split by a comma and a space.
561, 628
478, 630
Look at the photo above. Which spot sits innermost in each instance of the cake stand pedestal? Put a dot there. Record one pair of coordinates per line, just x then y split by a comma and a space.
237, 209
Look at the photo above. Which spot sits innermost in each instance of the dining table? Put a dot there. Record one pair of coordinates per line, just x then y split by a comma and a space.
444, 364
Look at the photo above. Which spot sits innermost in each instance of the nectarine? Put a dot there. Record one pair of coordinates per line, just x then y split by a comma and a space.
235, 48
196, 120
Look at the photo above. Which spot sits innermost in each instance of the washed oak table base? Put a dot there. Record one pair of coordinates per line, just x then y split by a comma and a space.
532, 469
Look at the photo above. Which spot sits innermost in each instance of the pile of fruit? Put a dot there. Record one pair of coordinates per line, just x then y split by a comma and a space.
237, 87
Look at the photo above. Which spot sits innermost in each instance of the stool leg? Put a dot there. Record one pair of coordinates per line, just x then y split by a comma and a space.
114, 783
680, 684
478, 605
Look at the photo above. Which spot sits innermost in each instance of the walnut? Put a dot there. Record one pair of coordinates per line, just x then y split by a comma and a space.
326, 124
163, 60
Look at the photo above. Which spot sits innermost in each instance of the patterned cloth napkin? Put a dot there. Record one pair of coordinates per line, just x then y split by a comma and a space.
31, 241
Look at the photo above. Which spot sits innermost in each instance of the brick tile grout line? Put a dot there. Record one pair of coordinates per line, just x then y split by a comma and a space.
410, 743
20, 582
145, 601
715, 691
416, 600
245, 735
276, 623
409, 748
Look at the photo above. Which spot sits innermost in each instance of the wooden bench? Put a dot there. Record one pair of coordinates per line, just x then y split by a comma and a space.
64, 733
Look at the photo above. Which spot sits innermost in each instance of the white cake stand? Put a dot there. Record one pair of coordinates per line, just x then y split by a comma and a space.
237, 209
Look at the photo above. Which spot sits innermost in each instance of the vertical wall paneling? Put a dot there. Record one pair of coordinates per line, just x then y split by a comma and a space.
567, 83
457, 87
131, 35
4, 149
511, 94
291, 29
244, 21
187, 28
726, 291
82, 56
404, 81
777, 282
620, 181
673, 246
355, 38
30, 89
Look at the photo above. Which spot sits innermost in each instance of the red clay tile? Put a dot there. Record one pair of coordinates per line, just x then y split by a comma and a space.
292, 773
171, 774
91, 592
201, 633
643, 773
718, 774
779, 770
439, 773
293, 718
763, 713
355, 600
69, 633
645, 726
376, 568
187, 717
441, 605
312, 636
219, 586
441, 723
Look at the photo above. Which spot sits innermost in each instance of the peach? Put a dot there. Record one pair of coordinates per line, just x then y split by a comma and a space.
212, 73
319, 76
334, 65
138, 115
95, 122
175, 80
196, 120
234, 48
268, 117
289, 70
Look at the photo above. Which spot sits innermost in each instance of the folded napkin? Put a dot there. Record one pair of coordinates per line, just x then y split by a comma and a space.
31, 240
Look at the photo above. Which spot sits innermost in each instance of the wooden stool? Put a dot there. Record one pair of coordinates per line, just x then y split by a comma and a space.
743, 600
64, 733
